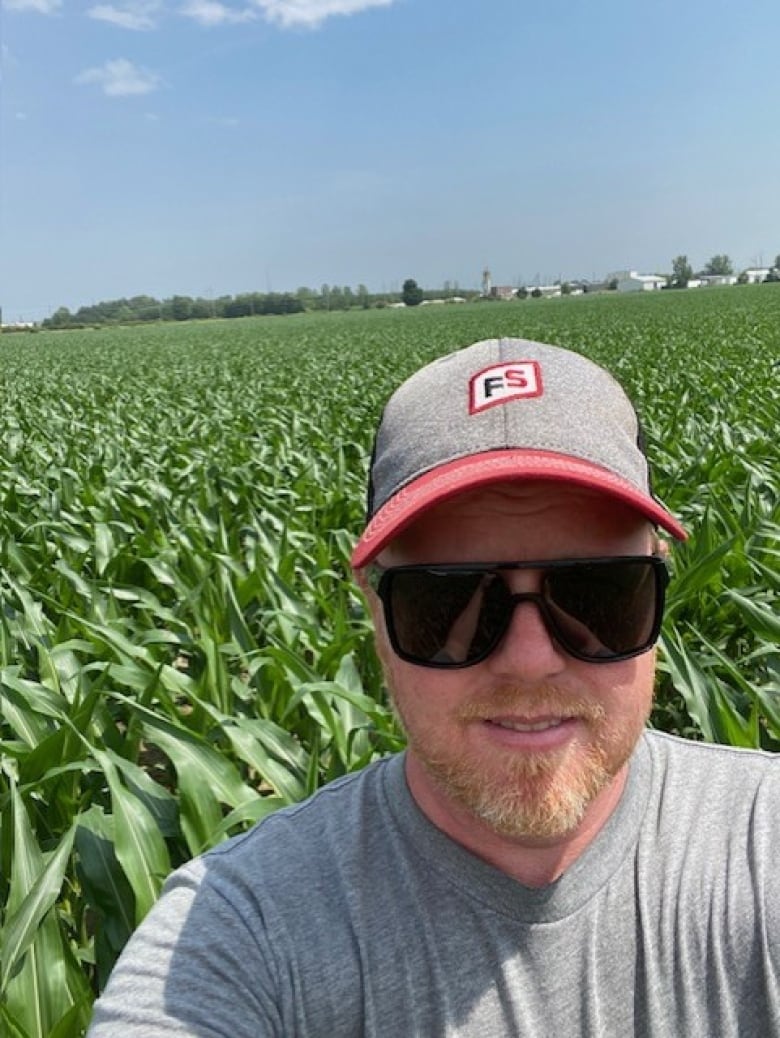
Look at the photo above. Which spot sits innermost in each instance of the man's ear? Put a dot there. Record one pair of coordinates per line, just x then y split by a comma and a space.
661, 546
359, 576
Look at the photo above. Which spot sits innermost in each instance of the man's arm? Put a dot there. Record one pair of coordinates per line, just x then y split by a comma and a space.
195, 968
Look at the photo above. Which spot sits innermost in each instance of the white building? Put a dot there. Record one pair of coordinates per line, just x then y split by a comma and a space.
630, 281
709, 280
755, 275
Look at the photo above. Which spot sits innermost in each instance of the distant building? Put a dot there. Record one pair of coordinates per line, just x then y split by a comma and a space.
709, 280
19, 326
502, 292
631, 281
590, 286
755, 275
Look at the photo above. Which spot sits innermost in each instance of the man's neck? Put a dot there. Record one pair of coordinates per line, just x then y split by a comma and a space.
532, 861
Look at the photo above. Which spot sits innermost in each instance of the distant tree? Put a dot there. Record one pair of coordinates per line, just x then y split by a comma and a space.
181, 308
719, 265
742, 278
239, 306
363, 297
612, 284
89, 315
773, 275
200, 309
307, 297
411, 293
536, 293
522, 292
145, 308
336, 298
777, 262
682, 272
566, 289
277, 303
292, 305
61, 318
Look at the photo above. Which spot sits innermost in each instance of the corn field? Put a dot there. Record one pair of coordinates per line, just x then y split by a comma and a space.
182, 649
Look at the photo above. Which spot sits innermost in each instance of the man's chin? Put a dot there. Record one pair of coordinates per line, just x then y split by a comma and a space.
540, 797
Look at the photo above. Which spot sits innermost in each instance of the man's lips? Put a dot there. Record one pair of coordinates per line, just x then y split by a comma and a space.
517, 725
531, 733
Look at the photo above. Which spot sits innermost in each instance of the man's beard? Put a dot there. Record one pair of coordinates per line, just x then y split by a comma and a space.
522, 794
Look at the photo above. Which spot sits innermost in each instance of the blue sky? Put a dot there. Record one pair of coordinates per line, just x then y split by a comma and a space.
208, 147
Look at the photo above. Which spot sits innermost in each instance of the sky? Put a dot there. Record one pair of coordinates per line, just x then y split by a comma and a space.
213, 147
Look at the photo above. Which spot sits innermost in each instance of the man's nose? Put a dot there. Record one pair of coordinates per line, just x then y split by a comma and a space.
527, 650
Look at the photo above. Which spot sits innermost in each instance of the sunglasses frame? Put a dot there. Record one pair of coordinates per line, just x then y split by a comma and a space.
380, 580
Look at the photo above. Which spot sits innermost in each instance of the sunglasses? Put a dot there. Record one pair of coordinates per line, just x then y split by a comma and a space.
448, 616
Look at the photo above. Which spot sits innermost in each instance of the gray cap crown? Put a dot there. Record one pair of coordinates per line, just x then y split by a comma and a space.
581, 412
503, 409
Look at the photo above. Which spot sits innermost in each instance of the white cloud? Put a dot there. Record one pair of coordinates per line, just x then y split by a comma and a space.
286, 13
132, 15
121, 78
39, 6
213, 12
311, 13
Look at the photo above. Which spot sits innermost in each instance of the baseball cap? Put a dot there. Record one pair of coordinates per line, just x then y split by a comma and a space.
504, 409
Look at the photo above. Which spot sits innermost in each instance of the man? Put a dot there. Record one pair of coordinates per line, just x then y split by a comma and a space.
536, 863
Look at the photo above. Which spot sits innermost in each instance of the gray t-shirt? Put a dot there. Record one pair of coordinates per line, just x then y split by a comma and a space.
351, 914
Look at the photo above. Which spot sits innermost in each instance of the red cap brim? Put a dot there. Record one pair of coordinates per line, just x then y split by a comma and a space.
479, 470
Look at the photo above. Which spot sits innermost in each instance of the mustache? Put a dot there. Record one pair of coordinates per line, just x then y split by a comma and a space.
544, 700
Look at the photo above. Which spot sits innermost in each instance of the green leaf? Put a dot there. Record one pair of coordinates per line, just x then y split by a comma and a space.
44, 981
140, 848
760, 618
20, 929
105, 887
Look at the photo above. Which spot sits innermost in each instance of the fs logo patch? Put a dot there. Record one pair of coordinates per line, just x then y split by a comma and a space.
504, 382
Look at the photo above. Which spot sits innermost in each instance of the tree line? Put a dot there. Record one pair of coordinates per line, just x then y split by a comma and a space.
144, 308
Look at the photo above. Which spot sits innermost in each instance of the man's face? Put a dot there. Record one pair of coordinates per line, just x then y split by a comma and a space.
526, 740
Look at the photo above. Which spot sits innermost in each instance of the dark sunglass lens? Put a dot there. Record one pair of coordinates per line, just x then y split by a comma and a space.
604, 609
445, 618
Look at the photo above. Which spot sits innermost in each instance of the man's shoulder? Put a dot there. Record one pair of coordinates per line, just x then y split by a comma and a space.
309, 835
320, 851
710, 832
711, 778
692, 753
